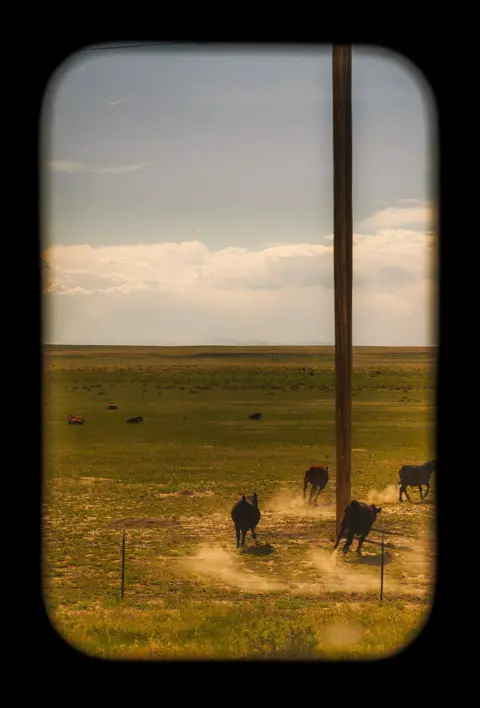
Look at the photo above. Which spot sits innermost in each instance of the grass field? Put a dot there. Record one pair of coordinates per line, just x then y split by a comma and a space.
171, 482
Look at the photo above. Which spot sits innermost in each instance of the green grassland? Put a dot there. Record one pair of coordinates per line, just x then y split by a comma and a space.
170, 482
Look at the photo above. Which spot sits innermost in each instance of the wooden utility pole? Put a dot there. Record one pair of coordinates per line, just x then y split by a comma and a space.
342, 256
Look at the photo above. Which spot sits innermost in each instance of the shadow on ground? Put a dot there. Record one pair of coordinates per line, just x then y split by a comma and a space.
376, 559
263, 550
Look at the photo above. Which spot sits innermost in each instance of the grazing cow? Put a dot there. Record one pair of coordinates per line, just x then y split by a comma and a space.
246, 516
357, 521
76, 420
416, 476
137, 419
255, 416
112, 407
317, 476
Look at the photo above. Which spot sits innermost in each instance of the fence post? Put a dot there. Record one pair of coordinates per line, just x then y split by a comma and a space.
123, 563
381, 570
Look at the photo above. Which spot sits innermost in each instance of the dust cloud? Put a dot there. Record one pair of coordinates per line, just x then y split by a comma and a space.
418, 563
341, 634
413, 577
338, 576
293, 504
227, 566
388, 496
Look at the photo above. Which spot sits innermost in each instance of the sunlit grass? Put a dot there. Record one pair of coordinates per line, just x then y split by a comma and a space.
171, 481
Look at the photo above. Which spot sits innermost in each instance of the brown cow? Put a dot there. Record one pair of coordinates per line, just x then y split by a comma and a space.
76, 420
357, 520
317, 476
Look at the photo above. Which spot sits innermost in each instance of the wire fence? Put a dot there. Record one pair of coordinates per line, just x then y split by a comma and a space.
412, 578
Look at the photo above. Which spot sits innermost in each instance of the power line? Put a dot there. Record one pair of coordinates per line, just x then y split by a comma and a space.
133, 46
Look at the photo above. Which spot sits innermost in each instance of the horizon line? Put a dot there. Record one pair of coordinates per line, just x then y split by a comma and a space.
251, 346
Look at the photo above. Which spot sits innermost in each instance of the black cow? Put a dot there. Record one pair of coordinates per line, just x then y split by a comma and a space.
416, 476
246, 516
317, 476
255, 416
357, 520
137, 419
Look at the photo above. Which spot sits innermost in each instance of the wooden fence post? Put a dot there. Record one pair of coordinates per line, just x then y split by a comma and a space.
381, 570
123, 563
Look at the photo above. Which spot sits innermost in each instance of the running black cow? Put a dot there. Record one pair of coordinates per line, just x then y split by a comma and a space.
317, 476
416, 476
246, 516
357, 520
255, 416
137, 419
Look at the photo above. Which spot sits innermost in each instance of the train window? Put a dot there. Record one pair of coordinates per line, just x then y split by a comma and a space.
189, 355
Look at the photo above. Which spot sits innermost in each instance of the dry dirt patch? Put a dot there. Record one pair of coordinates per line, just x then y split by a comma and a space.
183, 493
142, 523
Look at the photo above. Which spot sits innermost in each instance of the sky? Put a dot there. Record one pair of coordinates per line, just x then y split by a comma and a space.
188, 198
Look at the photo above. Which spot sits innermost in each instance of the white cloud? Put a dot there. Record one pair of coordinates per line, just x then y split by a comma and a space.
420, 217
120, 170
76, 167
65, 166
121, 100
58, 288
186, 293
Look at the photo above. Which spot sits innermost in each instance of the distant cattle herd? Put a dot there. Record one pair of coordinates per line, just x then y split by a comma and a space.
358, 517
78, 420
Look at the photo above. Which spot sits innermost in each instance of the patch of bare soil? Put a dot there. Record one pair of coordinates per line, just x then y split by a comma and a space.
183, 493
141, 523
92, 480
